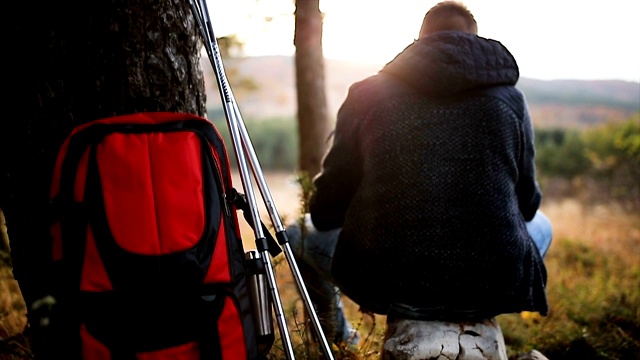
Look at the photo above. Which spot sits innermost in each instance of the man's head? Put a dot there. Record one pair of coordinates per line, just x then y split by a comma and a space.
448, 15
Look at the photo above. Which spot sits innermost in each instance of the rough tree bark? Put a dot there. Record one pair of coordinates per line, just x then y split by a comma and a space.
313, 122
72, 62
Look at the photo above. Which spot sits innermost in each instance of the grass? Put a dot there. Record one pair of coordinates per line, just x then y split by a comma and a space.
594, 308
593, 288
593, 291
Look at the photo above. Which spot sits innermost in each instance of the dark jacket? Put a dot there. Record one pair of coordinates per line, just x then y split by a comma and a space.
431, 177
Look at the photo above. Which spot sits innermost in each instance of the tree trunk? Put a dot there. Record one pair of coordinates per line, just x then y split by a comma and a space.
72, 62
310, 83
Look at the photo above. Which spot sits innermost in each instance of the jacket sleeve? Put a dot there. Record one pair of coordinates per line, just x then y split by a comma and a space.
527, 189
341, 170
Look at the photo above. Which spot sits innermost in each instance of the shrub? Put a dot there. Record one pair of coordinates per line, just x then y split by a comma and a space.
275, 141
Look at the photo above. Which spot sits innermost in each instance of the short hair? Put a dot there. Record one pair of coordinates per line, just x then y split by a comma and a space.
448, 15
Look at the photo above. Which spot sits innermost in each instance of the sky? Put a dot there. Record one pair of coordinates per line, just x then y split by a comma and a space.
550, 39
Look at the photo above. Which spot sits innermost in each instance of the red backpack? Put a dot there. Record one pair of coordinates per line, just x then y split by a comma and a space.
146, 244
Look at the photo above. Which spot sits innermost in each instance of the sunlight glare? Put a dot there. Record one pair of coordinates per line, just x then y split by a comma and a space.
569, 39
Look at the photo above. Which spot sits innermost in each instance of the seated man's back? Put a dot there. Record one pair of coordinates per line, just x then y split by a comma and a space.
427, 199
437, 207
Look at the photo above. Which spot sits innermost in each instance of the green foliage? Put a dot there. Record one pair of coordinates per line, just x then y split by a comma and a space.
627, 139
275, 141
608, 154
306, 185
561, 153
306, 191
614, 152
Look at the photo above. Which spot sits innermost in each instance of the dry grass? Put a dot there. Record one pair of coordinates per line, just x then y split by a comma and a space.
594, 288
607, 228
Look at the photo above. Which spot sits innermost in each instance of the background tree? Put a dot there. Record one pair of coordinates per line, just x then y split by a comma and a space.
72, 62
313, 122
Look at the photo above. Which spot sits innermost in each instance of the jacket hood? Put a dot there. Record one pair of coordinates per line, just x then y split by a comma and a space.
451, 62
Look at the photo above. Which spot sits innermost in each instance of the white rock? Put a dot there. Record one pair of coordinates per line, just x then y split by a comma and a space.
420, 340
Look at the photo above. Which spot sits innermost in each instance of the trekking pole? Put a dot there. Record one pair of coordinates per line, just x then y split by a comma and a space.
243, 148
232, 122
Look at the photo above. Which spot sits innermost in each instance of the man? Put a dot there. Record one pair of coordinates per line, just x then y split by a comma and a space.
426, 196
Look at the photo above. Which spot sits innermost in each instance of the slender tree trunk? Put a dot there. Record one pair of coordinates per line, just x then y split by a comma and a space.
71, 62
313, 121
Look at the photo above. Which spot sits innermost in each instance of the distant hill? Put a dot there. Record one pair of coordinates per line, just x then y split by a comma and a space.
264, 87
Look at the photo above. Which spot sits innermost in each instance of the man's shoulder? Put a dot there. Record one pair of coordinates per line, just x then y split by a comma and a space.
376, 88
509, 95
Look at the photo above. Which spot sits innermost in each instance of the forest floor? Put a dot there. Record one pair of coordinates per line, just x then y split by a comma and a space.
593, 280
